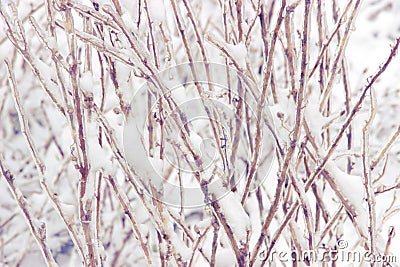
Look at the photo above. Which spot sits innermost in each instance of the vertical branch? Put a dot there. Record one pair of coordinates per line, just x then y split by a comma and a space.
38, 231
123, 200
195, 76
200, 42
214, 242
239, 4
226, 38
85, 202
340, 52
320, 42
367, 178
391, 234
151, 31
328, 41
320, 167
261, 105
39, 165
16, 35
295, 133
290, 52
348, 107
98, 197
23, 122
240, 257
347, 90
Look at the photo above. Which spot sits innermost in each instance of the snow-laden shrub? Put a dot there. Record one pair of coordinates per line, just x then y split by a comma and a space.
196, 133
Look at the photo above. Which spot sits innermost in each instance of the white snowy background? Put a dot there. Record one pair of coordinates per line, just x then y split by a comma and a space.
169, 231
